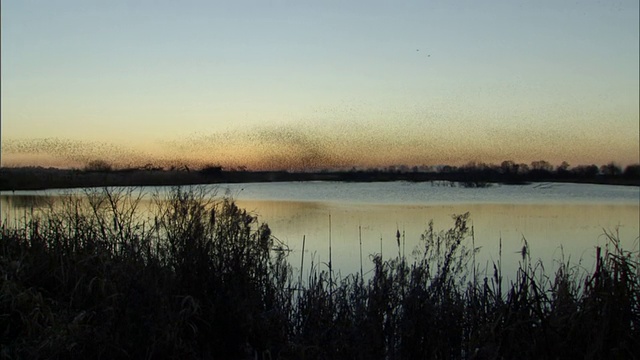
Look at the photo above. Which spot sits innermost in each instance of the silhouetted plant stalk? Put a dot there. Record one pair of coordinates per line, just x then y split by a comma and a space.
99, 276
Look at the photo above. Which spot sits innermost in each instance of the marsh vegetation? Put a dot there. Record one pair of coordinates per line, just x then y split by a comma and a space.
98, 277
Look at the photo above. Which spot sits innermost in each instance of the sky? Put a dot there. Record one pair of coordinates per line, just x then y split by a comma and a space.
319, 84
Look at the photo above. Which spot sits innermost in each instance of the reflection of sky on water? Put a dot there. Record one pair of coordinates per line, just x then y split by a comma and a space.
401, 192
578, 228
27, 201
549, 216
432, 193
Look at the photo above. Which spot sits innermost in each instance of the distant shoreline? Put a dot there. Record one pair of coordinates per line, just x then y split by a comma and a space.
34, 178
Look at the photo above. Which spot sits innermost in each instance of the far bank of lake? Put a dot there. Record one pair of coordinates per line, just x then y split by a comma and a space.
37, 178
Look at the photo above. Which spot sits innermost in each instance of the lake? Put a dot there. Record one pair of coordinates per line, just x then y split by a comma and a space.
554, 218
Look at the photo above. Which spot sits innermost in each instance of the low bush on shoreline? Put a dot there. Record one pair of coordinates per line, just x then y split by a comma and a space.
203, 279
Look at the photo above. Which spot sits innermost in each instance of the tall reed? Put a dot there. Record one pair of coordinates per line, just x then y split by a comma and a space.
97, 276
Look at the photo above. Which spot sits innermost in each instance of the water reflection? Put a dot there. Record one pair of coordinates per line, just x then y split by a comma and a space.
26, 201
549, 229
576, 228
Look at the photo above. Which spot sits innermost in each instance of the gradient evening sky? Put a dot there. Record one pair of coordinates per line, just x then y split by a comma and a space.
290, 84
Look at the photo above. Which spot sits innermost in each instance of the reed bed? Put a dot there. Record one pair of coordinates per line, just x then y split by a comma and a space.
201, 278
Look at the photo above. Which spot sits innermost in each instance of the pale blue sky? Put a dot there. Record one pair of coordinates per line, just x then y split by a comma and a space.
425, 81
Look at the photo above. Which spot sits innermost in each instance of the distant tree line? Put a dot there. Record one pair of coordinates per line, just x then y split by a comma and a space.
508, 168
472, 174
511, 172
478, 174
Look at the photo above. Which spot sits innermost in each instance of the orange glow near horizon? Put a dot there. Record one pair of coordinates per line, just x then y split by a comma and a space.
289, 149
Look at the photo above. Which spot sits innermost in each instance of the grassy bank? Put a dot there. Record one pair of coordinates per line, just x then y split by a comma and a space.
200, 278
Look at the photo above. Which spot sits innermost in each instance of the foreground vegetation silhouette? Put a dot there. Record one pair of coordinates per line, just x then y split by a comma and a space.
96, 277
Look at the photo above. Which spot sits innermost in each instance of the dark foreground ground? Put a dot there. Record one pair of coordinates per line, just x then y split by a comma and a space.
37, 178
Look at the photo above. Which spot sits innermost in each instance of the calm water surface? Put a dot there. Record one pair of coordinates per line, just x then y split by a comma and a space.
553, 218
